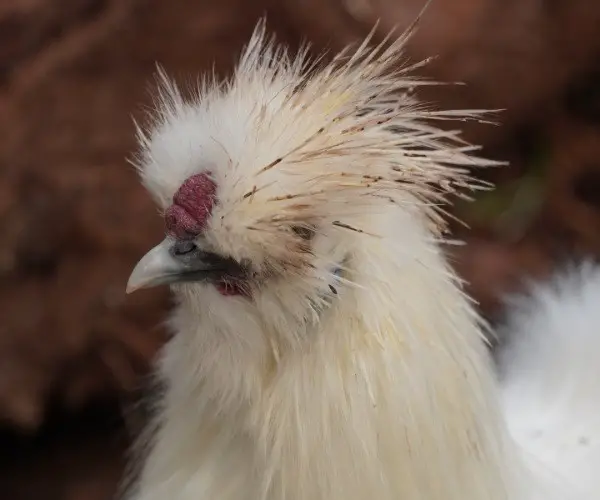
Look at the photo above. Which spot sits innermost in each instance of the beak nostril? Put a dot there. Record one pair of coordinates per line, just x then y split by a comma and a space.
183, 247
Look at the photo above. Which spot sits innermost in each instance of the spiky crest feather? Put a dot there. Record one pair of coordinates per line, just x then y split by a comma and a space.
349, 128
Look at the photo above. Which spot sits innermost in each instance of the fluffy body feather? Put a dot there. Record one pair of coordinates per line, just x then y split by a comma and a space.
550, 381
354, 368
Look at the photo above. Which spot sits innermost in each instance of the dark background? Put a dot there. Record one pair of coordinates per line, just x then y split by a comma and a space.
73, 349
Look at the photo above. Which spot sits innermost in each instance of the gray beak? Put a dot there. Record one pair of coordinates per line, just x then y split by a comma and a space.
176, 261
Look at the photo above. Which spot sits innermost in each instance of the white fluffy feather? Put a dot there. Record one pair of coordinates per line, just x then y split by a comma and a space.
381, 391
551, 380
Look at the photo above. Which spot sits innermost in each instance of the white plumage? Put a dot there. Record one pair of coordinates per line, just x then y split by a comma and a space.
350, 365
550, 380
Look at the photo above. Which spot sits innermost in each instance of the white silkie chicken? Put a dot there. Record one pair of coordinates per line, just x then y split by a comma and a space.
323, 348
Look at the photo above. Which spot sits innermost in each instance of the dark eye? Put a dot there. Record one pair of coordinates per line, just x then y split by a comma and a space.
305, 232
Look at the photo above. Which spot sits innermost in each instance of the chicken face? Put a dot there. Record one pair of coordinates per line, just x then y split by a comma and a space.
240, 217
191, 251
180, 257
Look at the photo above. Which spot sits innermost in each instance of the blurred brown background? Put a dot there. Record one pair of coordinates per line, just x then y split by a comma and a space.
73, 348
